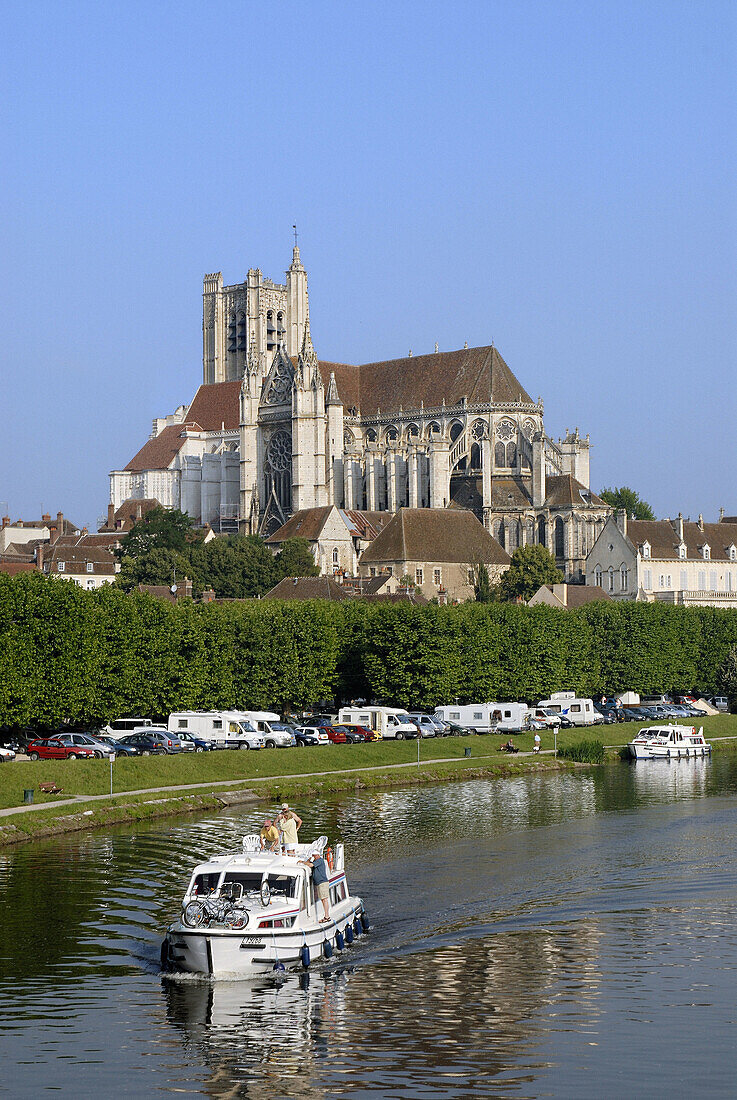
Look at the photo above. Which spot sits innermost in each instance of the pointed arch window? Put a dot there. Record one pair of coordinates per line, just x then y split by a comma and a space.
560, 538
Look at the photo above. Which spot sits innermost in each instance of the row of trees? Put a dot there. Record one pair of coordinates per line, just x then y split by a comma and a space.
93, 656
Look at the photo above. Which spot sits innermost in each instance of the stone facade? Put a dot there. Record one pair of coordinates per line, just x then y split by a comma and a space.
673, 561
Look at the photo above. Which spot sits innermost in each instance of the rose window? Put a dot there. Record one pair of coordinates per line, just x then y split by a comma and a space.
279, 451
505, 430
478, 430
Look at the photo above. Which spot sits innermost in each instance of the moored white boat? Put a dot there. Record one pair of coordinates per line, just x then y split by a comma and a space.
668, 743
246, 913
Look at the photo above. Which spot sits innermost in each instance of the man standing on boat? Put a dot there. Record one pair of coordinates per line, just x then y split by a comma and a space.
320, 879
269, 836
288, 821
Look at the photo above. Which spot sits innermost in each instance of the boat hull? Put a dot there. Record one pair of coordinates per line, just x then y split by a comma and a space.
647, 752
224, 952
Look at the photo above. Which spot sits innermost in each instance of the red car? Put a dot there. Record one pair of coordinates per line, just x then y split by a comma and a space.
53, 748
337, 737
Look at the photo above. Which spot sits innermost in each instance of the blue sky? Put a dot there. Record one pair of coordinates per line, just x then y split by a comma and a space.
556, 177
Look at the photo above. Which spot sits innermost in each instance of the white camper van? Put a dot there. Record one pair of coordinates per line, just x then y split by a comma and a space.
226, 727
391, 723
487, 717
581, 712
276, 734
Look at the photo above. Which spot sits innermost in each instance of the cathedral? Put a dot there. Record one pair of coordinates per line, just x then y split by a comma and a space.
274, 430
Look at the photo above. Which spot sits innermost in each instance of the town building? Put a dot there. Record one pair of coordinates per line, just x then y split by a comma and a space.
86, 559
567, 596
337, 537
670, 560
436, 551
274, 431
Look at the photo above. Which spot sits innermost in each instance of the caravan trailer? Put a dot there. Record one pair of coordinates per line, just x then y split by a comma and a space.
391, 723
581, 712
486, 717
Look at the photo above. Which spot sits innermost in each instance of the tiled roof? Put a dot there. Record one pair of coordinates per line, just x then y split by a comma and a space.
564, 491
13, 568
478, 374
396, 597
77, 551
216, 404
509, 492
435, 535
664, 540
159, 453
129, 511
307, 523
307, 588
366, 525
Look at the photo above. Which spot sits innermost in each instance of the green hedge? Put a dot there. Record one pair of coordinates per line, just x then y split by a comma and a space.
93, 656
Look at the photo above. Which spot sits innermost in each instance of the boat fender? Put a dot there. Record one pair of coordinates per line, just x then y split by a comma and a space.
339, 941
349, 932
364, 921
278, 965
327, 949
329, 857
165, 957
305, 956
357, 927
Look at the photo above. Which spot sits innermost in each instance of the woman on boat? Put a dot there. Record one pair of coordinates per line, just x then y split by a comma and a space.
288, 821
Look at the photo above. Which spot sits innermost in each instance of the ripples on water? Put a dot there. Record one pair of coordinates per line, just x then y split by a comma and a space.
566, 935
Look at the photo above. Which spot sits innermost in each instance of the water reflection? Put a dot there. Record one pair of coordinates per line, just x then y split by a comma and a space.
528, 933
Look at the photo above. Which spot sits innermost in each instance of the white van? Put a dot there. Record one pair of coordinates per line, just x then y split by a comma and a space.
276, 734
121, 726
391, 723
581, 712
223, 726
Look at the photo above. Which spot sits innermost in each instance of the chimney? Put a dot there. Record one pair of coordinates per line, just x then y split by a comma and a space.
208, 594
85, 531
622, 520
679, 526
40, 550
6, 521
46, 518
721, 515
111, 515
19, 523
59, 520
184, 592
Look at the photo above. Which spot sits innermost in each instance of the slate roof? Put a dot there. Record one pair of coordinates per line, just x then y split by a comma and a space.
478, 374
564, 491
435, 535
664, 540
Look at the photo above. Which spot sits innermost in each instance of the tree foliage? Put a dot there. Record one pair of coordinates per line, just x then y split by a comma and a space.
160, 529
483, 589
629, 501
295, 559
66, 653
532, 567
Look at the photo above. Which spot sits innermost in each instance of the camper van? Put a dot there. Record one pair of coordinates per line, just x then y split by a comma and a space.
581, 712
225, 727
486, 717
391, 723
276, 734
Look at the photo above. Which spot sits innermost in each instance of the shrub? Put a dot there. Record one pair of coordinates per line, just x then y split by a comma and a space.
585, 752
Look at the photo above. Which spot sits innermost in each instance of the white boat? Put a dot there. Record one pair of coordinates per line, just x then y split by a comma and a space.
669, 743
246, 913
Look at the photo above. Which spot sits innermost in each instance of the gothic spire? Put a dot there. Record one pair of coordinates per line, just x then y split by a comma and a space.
331, 397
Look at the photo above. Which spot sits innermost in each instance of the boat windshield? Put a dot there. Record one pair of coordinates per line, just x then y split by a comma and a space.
283, 885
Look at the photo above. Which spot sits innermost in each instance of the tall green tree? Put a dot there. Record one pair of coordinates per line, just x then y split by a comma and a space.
483, 589
628, 500
161, 529
532, 566
295, 559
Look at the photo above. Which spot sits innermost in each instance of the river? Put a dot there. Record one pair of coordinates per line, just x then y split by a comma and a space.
567, 935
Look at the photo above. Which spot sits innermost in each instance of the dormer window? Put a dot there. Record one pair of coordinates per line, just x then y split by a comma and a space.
732, 552
682, 550
706, 552
646, 549
61, 566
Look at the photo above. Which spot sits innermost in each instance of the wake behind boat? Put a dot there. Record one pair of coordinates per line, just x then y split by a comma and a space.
246, 913
669, 742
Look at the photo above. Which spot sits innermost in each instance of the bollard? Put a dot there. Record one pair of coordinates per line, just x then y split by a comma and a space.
28, 795
467, 751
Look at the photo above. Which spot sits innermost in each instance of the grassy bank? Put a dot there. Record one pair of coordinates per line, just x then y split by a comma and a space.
273, 774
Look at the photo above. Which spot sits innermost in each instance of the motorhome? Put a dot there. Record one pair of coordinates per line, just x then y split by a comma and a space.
226, 727
391, 723
486, 717
276, 734
581, 712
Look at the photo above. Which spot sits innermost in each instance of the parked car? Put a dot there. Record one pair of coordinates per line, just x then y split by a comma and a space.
335, 734
424, 723
364, 731
192, 743
721, 702
99, 747
351, 735
6, 755
120, 748
148, 744
311, 735
53, 748
607, 716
